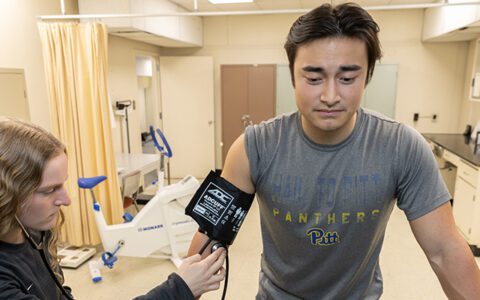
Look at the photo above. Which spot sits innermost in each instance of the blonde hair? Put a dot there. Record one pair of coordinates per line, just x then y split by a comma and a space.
25, 149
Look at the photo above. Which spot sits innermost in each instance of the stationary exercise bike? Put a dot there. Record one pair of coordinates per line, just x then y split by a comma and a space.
160, 229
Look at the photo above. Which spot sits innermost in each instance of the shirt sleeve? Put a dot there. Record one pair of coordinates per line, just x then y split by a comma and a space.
420, 186
173, 288
252, 152
9, 290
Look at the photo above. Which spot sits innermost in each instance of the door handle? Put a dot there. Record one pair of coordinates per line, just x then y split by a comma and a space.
245, 117
246, 120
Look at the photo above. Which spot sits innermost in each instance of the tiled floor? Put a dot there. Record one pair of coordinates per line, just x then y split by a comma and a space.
406, 272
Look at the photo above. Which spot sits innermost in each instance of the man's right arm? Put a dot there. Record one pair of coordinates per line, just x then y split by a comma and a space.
236, 170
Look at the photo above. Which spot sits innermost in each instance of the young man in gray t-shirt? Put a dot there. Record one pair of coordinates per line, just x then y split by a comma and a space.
327, 177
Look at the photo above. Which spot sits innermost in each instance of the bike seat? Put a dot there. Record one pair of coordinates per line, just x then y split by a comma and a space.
88, 183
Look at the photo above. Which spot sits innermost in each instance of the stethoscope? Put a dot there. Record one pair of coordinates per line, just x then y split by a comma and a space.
39, 248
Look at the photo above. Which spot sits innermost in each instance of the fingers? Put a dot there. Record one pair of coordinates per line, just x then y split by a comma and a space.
212, 287
216, 265
214, 282
221, 272
217, 277
191, 259
211, 258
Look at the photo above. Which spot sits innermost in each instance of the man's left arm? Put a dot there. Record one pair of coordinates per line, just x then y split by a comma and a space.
448, 253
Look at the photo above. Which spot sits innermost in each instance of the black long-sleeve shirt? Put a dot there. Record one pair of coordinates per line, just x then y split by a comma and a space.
174, 288
23, 275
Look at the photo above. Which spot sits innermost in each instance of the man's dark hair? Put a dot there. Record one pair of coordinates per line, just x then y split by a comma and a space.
325, 21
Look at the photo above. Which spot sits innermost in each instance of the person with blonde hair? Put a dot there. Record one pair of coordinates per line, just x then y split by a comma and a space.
33, 170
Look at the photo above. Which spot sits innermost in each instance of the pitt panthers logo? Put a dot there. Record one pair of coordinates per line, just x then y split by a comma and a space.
323, 238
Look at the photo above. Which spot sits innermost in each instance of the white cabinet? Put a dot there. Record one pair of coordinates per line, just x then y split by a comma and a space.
169, 29
449, 156
451, 23
466, 196
465, 207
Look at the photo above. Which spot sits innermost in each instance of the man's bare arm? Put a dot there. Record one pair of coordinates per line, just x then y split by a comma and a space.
236, 170
448, 253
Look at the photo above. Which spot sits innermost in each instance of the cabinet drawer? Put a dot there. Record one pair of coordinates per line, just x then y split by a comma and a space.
464, 207
449, 156
468, 173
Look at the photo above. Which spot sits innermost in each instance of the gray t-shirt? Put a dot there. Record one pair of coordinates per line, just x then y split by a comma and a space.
324, 208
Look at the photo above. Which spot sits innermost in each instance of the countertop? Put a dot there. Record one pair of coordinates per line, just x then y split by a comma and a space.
458, 144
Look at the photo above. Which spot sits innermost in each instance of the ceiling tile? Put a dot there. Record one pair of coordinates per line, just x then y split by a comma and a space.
366, 2
204, 5
406, 2
307, 4
236, 6
279, 4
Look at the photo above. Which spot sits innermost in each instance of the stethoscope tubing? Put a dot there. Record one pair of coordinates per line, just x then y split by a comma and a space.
44, 259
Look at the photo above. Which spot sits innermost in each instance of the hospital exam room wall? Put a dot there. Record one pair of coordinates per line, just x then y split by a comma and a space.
21, 48
430, 80
123, 84
470, 112
431, 75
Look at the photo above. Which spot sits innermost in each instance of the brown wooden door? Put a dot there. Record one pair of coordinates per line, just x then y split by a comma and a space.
248, 96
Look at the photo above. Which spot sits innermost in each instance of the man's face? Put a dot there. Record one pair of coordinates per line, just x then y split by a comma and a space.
41, 210
330, 78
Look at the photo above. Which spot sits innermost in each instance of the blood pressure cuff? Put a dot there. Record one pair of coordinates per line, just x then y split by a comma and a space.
219, 208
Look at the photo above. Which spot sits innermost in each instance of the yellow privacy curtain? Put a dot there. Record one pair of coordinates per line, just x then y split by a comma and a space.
76, 66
